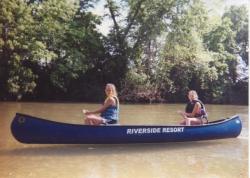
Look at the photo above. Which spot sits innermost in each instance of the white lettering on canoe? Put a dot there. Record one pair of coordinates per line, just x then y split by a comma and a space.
172, 129
155, 130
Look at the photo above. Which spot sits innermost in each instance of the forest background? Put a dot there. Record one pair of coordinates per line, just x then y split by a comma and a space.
154, 51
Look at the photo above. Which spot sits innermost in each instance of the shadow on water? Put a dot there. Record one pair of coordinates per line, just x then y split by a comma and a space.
108, 149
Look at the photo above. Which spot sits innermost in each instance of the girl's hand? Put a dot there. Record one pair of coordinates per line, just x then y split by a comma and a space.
84, 111
183, 114
180, 112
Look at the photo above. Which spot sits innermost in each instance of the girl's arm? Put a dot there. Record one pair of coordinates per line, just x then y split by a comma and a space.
108, 102
196, 109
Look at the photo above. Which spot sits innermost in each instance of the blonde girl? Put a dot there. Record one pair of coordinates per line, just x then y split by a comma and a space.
108, 112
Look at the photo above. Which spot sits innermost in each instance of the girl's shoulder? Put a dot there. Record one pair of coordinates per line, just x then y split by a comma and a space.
110, 100
197, 102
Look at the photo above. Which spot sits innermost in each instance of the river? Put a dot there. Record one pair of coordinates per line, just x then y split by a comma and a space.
227, 158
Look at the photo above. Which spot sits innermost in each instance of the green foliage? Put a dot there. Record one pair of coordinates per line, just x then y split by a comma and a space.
16, 23
155, 51
21, 79
186, 58
239, 18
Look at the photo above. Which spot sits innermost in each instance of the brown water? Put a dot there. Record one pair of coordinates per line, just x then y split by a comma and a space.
226, 158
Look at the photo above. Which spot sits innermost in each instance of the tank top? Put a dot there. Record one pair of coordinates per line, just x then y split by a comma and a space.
112, 112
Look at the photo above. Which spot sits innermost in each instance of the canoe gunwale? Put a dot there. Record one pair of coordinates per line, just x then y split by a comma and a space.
211, 123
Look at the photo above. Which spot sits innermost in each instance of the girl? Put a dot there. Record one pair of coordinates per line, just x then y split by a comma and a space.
109, 110
195, 113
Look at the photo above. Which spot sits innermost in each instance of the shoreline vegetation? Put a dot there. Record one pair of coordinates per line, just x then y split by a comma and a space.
154, 52
99, 102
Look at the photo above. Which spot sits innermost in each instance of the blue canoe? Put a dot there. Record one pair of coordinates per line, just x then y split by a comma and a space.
29, 129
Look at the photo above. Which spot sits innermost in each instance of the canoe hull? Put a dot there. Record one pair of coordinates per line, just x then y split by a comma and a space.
29, 129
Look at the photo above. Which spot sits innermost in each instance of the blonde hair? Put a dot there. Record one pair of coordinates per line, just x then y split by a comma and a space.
113, 90
193, 94
113, 93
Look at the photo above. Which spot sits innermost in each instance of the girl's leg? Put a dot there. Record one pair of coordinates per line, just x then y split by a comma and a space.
193, 121
93, 120
183, 122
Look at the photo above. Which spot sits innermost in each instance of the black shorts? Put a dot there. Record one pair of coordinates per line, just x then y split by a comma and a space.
110, 121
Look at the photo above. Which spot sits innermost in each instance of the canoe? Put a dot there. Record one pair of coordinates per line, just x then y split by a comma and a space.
30, 129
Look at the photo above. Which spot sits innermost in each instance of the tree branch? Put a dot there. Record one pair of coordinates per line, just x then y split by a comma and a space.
131, 21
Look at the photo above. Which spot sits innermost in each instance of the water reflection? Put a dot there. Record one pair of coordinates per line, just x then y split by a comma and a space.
75, 150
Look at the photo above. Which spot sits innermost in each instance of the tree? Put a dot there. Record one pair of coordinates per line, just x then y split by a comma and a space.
69, 32
16, 47
185, 61
223, 41
239, 18
133, 38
